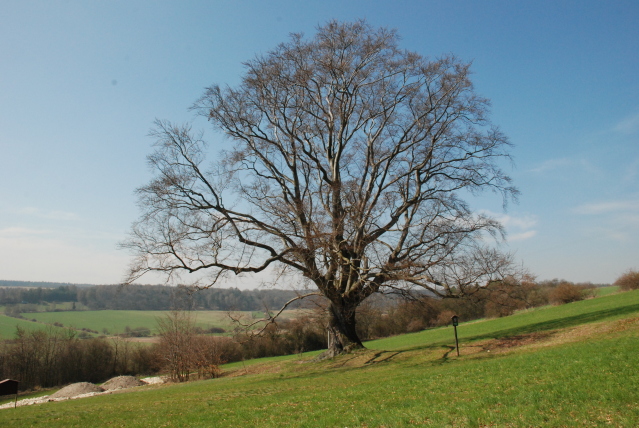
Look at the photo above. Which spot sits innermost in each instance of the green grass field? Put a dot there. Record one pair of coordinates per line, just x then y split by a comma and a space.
604, 291
564, 366
8, 326
115, 322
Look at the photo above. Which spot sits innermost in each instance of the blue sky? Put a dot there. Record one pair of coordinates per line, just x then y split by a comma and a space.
81, 83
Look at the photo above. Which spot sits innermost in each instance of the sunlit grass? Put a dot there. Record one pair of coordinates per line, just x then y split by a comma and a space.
613, 306
581, 384
579, 377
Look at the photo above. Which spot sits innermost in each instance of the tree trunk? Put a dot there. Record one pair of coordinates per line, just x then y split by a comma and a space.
342, 336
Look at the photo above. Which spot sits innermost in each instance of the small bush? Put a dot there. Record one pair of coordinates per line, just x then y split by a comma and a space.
628, 281
445, 318
212, 330
84, 335
137, 331
566, 292
416, 325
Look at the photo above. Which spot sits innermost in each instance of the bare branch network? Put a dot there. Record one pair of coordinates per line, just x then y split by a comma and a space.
348, 163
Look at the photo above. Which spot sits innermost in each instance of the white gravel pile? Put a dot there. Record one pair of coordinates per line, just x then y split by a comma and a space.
122, 382
76, 389
86, 389
156, 380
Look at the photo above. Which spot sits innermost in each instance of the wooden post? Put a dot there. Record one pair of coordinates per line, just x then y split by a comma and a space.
455, 322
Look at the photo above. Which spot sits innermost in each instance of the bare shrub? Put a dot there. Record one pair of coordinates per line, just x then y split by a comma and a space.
145, 359
416, 325
628, 281
503, 298
566, 292
445, 318
175, 347
306, 333
207, 356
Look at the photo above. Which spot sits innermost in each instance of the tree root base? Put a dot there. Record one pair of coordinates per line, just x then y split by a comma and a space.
334, 352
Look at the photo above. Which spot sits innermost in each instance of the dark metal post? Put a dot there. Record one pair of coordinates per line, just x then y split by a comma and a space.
455, 322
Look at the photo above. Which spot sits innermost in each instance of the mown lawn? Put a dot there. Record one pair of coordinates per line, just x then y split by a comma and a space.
573, 365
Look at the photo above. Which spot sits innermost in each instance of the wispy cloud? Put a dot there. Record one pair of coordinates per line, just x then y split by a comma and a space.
565, 163
519, 228
50, 215
523, 222
608, 207
522, 236
618, 220
18, 232
628, 125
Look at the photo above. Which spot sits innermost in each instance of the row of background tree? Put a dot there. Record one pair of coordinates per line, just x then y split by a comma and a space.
148, 297
159, 297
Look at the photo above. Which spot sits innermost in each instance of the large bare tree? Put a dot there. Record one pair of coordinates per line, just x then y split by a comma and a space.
349, 163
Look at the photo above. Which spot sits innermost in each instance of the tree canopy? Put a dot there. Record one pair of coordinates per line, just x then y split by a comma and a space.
349, 163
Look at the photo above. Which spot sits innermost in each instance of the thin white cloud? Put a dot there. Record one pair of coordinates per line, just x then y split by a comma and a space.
565, 163
522, 236
50, 215
552, 164
608, 207
525, 222
617, 220
628, 125
18, 232
519, 228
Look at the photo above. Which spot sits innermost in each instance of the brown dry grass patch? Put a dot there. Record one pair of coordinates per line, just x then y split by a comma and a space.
538, 340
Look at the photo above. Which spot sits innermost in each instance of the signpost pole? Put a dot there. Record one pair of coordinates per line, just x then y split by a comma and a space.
455, 322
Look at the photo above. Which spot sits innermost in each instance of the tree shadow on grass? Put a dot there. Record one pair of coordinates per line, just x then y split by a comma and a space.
382, 356
558, 323
554, 324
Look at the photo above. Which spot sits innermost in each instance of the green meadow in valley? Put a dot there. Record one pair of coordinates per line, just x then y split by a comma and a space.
115, 322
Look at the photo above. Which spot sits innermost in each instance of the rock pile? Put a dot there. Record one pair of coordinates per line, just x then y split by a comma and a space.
122, 382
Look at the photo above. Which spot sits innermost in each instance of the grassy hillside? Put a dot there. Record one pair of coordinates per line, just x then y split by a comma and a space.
571, 365
8, 326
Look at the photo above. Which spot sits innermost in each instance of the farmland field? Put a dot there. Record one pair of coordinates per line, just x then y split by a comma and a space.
115, 322
571, 365
8, 326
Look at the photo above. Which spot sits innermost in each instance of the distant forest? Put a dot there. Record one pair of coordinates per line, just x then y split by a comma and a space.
36, 284
143, 297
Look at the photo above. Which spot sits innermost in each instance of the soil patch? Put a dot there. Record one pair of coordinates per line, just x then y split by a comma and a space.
517, 341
